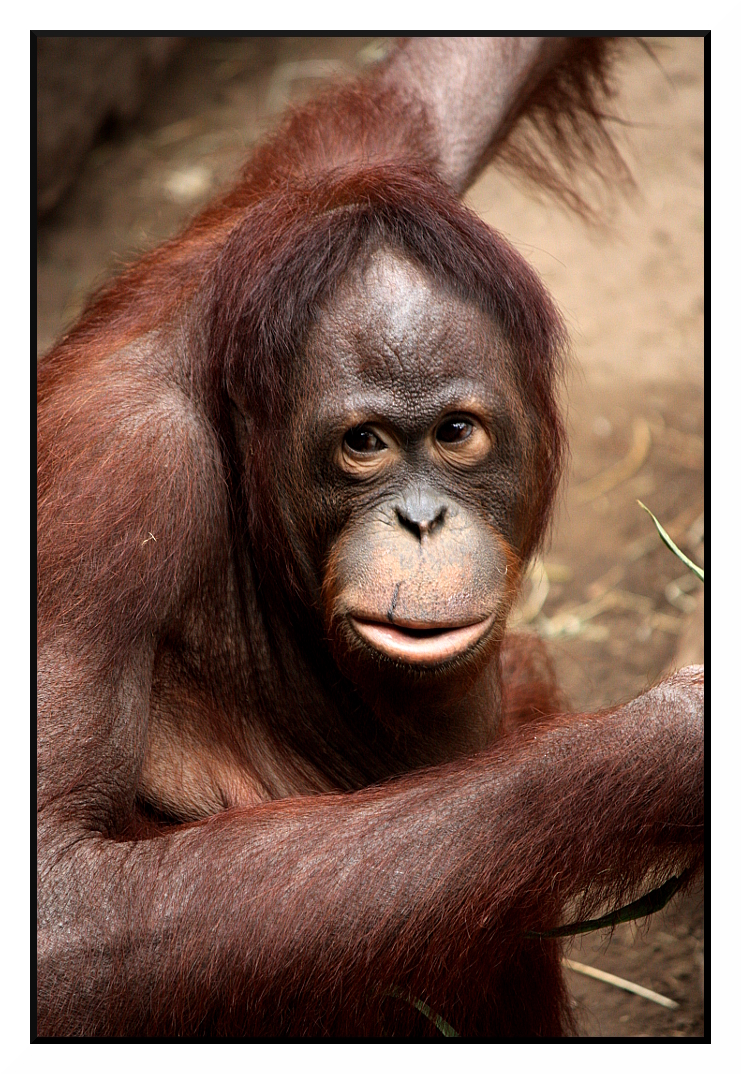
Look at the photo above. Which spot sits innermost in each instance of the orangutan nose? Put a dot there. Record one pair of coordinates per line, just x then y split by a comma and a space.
422, 514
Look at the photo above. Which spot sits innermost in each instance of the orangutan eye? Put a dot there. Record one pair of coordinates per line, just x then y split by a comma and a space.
454, 431
362, 440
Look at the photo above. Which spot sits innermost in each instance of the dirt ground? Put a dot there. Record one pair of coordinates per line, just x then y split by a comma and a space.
617, 607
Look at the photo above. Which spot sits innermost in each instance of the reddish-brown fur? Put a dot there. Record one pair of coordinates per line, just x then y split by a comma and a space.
172, 625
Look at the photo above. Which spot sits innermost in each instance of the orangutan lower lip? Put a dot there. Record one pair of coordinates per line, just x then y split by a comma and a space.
422, 645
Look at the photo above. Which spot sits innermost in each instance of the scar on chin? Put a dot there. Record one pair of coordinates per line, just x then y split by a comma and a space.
390, 613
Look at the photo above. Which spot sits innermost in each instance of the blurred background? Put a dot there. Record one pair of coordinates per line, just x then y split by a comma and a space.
134, 135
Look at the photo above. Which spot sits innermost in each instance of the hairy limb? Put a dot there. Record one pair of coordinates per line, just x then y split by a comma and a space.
476, 91
471, 87
298, 916
453, 104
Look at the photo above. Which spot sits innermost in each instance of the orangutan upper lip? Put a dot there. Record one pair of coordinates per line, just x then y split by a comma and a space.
424, 644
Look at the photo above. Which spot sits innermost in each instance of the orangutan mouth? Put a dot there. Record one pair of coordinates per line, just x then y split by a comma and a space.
420, 643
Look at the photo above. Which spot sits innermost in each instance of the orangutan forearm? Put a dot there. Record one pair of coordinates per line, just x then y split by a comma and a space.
277, 908
472, 89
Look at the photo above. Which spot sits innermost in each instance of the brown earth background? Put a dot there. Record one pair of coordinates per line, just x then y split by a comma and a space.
617, 608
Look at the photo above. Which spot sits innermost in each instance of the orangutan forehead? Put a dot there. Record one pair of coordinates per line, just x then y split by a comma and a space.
389, 318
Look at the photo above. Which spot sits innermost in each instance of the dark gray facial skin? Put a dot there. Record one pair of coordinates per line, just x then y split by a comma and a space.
413, 437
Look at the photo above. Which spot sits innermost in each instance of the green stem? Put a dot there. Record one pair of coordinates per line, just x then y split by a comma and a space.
671, 545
